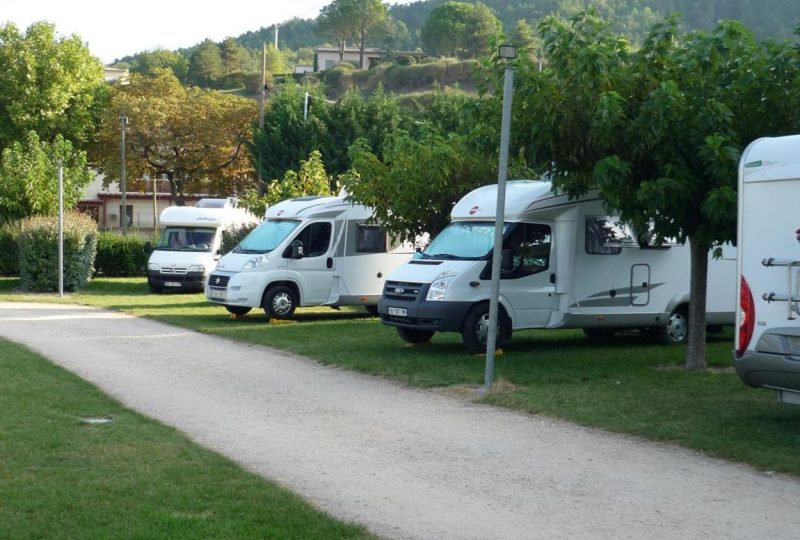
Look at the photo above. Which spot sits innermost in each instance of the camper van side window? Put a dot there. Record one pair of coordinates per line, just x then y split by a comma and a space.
607, 236
316, 238
370, 239
530, 248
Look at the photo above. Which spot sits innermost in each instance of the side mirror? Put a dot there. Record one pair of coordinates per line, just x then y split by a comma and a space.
507, 260
148, 248
297, 249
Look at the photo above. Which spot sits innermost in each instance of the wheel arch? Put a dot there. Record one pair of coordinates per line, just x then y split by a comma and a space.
291, 284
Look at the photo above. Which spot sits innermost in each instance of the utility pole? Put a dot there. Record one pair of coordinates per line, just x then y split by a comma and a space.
261, 98
123, 217
276, 36
60, 228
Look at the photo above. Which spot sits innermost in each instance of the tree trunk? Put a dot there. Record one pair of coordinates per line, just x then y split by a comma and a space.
698, 283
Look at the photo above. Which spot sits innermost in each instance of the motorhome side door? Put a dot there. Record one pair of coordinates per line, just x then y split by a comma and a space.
530, 284
310, 261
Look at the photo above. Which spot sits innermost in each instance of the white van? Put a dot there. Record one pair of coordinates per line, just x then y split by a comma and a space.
567, 264
189, 245
768, 331
309, 251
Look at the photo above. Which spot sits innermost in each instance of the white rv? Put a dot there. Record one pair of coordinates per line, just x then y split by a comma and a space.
768, 331
309, 251
189, 245
567, 264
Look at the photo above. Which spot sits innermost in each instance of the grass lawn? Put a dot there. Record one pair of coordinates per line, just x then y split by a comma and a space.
628, 385
130, 478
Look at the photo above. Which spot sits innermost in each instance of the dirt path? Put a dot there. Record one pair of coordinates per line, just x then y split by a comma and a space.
406, 463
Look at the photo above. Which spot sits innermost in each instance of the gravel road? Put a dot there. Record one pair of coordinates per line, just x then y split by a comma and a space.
404, 462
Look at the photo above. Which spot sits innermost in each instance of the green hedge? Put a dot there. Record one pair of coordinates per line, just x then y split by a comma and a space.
120, 256
9, 249
38, 250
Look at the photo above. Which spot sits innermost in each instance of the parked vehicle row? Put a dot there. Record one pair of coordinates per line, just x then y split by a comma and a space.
566, 264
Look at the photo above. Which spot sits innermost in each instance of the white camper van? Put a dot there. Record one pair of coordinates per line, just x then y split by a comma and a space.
567, 264
188, 247
768, 331
309, 251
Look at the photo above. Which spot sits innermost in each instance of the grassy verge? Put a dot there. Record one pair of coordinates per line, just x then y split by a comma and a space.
628, 385
131, 478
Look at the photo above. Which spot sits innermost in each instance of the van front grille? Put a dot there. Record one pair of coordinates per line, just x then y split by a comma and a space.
217, 281
402, 291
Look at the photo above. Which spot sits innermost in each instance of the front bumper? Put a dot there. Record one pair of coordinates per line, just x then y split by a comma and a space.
190, 281
420, 314
235, 288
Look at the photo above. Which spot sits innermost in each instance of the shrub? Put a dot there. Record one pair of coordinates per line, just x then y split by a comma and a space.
233, 235
9, 249
38, 252
120, 256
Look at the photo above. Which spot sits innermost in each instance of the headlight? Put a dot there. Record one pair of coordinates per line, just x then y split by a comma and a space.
197, 268
256, 262
154, 267
439, 286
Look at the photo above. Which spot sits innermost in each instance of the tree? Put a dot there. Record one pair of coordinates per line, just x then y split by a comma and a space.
47, 84
231, 56
310, 179
335, 22
526, 41
205, 64
444, 33
194, 137
147, 62
287, 137
482, 29
27, 177
657, 131
356, 20
414, 187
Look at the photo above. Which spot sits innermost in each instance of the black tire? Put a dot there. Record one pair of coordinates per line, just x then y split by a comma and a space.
372, 310
474, 331
238, 310
411, 335
279, 302
676, 331
599, 334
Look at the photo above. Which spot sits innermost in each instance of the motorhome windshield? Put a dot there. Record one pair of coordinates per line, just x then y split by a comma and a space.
186, 239
462, 241
267, 236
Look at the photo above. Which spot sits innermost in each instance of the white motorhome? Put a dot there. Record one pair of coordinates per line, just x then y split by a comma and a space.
309, 251
768, 331
189, 245
567, 264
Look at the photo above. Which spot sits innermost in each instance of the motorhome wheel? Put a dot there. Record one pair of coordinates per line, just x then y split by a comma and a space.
676, 331
412, 335
238, 310
475, 330
279, 302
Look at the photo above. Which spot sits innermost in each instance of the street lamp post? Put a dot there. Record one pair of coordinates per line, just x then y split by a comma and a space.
123, 218
507, 52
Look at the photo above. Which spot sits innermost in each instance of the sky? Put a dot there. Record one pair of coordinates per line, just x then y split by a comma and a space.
113, 30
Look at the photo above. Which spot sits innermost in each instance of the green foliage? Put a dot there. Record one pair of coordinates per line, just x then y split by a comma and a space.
9, 249
120, 256
146, 63
29, 177
48, 85
309, 179
38, 249
205, 65
460, 29
415, 185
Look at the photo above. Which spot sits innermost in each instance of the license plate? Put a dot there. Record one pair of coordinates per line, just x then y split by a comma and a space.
216, 293
398, 311
172, 284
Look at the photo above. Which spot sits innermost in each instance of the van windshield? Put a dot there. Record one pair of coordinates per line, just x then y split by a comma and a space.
266, 236
463, 240
186, 239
